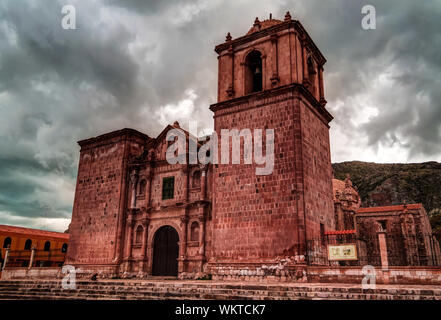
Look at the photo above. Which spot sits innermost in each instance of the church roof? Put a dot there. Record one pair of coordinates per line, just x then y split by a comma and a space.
33, 232
263, 25
175, 125
113, 134
400, 207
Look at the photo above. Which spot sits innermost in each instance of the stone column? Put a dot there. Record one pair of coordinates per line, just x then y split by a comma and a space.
305, 63
230, 89
186, 171
5, 262
201, 252
203, 183
183, 243
149, 188
123, 202
128, 254
383, 249
31, 260
275, 76
321, 86
150, 259
134, 181
264, 72
145, 225
201, 235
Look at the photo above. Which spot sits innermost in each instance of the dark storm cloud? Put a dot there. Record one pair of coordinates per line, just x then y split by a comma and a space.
146, 6
134, 63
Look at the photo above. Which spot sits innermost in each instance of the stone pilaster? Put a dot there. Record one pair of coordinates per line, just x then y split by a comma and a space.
133, 183
383, 250
305, 63
142, 262
230, 90
129, 240
201, 235
183, 244
275, 75
321, 87
149, 188
150, 260
5, 261
203, 182
31, 260
410, 240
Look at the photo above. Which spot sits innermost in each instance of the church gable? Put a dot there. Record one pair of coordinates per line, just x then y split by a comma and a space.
159, 148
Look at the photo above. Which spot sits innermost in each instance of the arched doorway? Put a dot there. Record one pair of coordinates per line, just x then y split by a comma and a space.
165, 252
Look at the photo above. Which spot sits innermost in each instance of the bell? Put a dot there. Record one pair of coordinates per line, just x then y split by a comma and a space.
257, 71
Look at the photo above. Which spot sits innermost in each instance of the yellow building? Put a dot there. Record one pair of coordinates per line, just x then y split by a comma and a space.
50, 247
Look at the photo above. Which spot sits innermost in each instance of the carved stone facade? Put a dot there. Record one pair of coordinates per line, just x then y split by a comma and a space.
407, 232
404, 230
119, 205
346, 203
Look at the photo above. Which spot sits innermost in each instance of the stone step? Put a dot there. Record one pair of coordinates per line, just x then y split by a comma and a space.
215, 288
144, 290
204, 290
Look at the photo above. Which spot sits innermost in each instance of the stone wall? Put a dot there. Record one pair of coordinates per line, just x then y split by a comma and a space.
408, 234
34, 273
257, 216
316, 169
100, 197
282, 272
392, 275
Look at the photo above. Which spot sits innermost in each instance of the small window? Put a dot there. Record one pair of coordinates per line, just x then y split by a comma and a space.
47, 246
168, 188
28, 244
194, 235
138, 235
7, 243
383, 225
142, 187
196, 180
64, 248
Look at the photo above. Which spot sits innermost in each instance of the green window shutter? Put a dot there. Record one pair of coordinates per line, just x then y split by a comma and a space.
168, 188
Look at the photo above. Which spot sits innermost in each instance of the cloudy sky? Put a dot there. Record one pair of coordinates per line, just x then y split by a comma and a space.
143, 64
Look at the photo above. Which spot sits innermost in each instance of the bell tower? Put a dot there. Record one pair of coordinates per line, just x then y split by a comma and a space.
272, 54
272, 78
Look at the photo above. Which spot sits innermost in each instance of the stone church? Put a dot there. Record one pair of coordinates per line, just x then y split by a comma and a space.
135, 214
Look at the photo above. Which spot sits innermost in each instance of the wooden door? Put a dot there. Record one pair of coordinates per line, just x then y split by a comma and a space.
165, 252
